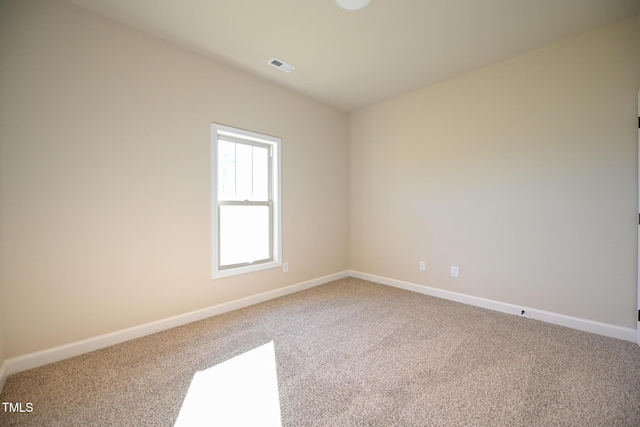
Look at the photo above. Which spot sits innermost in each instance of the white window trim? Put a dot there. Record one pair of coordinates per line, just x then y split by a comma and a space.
275, 143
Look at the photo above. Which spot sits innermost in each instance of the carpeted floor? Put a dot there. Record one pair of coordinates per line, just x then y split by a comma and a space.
354, 353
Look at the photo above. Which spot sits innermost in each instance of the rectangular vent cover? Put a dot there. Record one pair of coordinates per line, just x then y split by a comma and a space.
287, 68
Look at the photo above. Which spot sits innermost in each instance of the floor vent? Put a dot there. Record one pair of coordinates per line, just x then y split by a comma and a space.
287, 68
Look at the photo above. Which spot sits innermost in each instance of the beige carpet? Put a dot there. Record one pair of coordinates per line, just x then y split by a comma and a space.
353, 353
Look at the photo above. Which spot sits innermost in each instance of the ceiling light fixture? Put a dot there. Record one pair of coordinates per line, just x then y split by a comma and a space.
352, 4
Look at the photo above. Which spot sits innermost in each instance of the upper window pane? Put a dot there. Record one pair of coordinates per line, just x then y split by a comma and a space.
244, 175
260, 174
243, 172
226, 170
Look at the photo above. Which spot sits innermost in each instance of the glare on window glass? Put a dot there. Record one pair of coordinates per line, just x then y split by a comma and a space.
244, 234
260, 174
226, 170
244, 172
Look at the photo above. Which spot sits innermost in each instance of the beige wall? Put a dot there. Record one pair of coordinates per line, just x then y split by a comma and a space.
523, 174
2, 358
105, 176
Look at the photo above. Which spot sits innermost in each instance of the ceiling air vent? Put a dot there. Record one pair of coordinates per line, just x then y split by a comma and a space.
287, 68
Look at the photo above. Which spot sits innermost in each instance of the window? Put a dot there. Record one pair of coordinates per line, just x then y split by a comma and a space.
246, 201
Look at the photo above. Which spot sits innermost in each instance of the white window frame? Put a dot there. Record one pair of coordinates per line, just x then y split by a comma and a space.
243, 136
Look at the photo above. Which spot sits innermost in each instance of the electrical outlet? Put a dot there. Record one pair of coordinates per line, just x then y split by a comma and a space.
454, 271
285, 267
422, 266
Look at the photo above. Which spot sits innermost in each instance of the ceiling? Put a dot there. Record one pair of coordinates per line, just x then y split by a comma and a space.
353, 59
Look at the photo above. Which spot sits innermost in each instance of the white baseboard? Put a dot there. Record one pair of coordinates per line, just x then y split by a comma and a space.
3, 374
613, 331
55, 354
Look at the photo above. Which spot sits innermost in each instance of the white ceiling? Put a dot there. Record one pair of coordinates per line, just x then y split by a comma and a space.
353, 59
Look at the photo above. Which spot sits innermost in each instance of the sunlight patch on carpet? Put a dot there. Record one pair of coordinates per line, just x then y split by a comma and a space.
239, 392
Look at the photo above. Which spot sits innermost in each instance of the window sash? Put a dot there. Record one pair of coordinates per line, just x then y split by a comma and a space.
269, 149
270, 257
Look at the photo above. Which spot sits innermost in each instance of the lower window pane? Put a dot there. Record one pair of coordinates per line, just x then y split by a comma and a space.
244, 234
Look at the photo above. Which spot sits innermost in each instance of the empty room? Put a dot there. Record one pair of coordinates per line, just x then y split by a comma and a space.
319, 212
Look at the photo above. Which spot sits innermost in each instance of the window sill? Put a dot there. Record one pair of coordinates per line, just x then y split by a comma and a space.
219, 274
